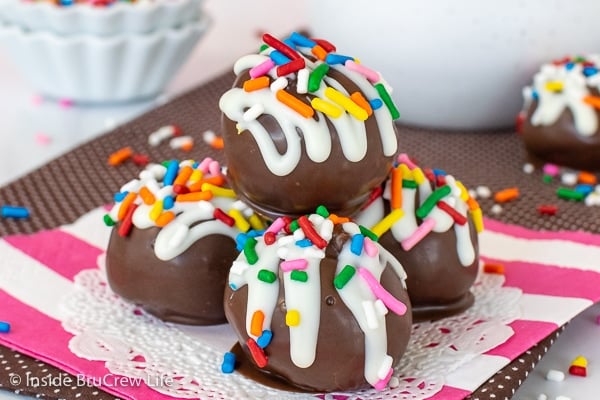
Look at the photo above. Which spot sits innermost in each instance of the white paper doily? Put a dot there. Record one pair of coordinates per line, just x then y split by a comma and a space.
185, 362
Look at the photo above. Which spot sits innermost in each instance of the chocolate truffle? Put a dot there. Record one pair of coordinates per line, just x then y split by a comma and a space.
304, 126
174, 241
429, 223
323, 308
559, 121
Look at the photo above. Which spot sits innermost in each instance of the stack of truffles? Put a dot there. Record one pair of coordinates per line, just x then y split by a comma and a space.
98, 51
334, 240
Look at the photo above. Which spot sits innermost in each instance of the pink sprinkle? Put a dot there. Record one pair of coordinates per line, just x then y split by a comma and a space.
276, 226
214, 168
204, 164
65, 103
390, 301
368, 73
291, 265
551, 169
382, 383
418, 234
370, 247
261, 69
404, 159
42, 139
37, 99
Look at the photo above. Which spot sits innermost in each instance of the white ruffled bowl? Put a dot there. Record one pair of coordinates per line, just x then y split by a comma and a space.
117, 18
96, 69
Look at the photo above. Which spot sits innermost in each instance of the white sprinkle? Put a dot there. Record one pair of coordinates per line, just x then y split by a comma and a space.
370, 315
542, 396
528, 168
496, 209
569, 178
562, 398
394, 382
326, 229
380, 307
351, 228
181, 141
209, 136
592, 199
310, 252
597, 189
158, 136
285, 241
302, 82
298, 234
253, 112
384, 369
555, 375
316, 219
472, 193
279, 84
483, 191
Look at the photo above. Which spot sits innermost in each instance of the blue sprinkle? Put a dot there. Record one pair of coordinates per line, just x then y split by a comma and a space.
255, 233
240, 241
171, 174
584, 188
590, 71
4, 327
357, 244
535, 95
333, 58
304, 243
14, 212
441, 172
290, 43
233, 286
195, 165
66, 2
569, 66
120, 196
301, 40
278, 57
376, 103
168, 202
264, 339
228, 363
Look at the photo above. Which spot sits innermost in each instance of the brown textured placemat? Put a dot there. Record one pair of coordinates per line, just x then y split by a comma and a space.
64, 189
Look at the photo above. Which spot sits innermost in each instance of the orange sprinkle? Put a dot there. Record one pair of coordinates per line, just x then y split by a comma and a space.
147, 196
120, 156
506, 195
338, 220
217, 180
295, 104
472, 203
396, 201
127, 201
165, 218
183, 176
359, 99
217, 143
593, 101
493, 269
256, 325
587, 178
194, 196
319, 52
187, 146
256, 84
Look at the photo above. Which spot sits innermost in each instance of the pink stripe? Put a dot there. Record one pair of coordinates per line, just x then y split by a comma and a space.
450, 393
550, 280
520, 232
527, 334
58, 250
28, 325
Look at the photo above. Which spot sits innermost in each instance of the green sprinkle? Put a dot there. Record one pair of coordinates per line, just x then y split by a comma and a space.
267, 276
108, 220
323, 211
432, 200
385, 96
368, 233
165, 163
294, 225
250, 251
300, 276
344, 276
316, 76
409, 184
579, 59
547, 178
570, 194
263, 48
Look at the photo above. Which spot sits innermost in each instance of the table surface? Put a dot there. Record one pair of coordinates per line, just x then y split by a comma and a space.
35, 132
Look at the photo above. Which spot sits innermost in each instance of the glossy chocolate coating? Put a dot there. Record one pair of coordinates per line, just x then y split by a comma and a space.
187, 289
341, 185
339, 362
438, 284
560, 143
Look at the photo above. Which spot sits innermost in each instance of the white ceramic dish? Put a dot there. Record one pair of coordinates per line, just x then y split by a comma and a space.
118, 18
92, 69
458, 64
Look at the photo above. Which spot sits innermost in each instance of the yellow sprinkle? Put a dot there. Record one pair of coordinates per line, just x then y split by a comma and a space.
326, 107
386, 223
239, 128
292, 318
406, 172
256, 223
554, 86
580, 361
464, 193
418, 176
477, 219
217, 190
346, 103
156, 210
240, 221
196, 176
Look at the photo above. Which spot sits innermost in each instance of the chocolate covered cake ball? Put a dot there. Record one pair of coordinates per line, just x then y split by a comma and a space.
323, 308
560, 120
174, 241
306, 126
428, 221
